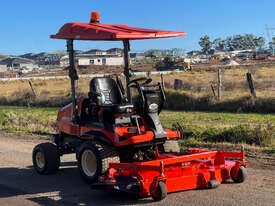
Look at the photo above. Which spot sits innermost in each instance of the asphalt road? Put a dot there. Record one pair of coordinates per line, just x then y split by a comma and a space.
21, 185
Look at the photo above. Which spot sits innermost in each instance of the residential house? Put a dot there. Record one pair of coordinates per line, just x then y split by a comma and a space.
108, 60
96, 52
15, 63
3, 68
137, 56
64, 61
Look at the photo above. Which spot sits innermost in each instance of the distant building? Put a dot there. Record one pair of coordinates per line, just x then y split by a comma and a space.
137, 56
193, 53
64, 61
96, 52
3, 68
220, 52
16, 63
108, 60
48, 59
24, 70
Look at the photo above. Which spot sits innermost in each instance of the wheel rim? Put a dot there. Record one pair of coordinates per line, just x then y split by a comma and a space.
88, 163
40, 160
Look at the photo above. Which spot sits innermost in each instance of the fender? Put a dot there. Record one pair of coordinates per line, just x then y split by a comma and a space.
97, 135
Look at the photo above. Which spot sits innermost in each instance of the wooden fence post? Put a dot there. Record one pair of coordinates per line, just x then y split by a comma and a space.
148, 74
177, 84
162, 81
213, 90
33, 91
219, 84
251, 84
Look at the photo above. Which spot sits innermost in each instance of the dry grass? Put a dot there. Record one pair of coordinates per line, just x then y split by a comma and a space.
196, 93
234, 82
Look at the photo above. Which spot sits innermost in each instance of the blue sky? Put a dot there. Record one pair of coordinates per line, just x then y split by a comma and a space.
27, 24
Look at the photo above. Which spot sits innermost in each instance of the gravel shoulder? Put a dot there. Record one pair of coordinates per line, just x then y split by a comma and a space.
21, 185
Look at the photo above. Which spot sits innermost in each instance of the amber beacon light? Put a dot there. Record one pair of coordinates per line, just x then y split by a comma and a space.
95, 17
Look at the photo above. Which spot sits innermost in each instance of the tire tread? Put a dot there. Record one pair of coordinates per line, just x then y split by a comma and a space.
52, 158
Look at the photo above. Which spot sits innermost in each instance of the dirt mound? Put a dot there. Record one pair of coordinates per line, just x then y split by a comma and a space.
231, 63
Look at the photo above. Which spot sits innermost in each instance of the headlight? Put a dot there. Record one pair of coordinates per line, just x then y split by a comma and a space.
153, 107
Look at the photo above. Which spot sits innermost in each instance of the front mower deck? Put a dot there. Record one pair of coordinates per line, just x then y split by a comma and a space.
197, 169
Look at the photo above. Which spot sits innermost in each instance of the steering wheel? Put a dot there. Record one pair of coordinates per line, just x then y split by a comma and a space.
144, 81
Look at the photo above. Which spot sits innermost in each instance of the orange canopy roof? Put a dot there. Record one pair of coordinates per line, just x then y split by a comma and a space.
108, 32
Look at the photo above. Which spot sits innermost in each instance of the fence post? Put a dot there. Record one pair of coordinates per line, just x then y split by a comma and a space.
177, 84
213, 90
33, 91
162, 81
219, 84
251, 84
148, 74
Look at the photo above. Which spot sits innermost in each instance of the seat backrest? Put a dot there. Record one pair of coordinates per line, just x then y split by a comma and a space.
104, 91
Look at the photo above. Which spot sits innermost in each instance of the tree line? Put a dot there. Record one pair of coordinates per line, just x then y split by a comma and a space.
165, 52
231, 43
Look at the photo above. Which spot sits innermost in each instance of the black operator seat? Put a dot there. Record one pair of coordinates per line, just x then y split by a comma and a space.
105, 92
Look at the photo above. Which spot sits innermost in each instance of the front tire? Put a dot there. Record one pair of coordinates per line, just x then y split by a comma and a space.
160, 193
242, 174
45, 158
94, 158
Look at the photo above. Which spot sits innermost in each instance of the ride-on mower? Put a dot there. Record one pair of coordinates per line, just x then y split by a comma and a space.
117, 136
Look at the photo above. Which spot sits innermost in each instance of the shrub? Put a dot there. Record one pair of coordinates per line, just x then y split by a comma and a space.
260, 135
181, 101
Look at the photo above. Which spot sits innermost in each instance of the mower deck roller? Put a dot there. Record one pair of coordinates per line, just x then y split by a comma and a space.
116, 132
197, 169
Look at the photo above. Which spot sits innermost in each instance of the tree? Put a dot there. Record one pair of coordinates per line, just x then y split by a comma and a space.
219, 44
237, 42
259, 42
248, 41
206, 44
228, 44
272, 43
243, 42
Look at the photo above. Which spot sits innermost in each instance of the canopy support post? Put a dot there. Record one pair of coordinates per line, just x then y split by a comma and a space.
127, 69
73, 76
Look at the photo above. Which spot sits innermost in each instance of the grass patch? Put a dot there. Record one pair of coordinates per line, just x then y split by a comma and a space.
253, 129
206, 127
29, 120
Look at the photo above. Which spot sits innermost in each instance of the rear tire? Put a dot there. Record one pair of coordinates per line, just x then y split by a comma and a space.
94, 158
45, 158
171, 146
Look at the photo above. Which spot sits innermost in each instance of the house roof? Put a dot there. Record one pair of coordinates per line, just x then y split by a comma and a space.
109, 32
93, 51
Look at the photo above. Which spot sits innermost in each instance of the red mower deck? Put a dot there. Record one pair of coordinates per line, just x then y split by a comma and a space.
198, 169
